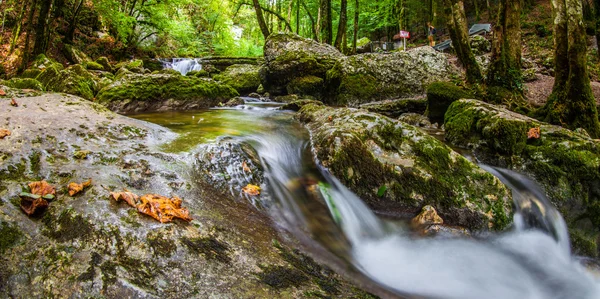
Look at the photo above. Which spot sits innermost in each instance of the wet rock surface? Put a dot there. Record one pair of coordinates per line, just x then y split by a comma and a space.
88, 245
564, 162
391, 164
242, 77
364, 78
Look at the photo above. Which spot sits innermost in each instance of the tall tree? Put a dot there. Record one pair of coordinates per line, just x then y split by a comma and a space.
355, 35
571, 102
261, 20
597, 16
505, 68
42, 29
459, 33
326, 22
343, 22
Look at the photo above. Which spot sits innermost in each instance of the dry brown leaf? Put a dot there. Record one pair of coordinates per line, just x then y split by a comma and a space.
31, 205
245, 167
42, 188
4, 133
534, 133
75, 188
126, 196
2, 92
14, 103
251, 190
162, 208
40, 193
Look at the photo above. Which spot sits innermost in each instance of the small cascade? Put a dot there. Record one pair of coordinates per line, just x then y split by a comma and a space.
530, 261
183, 65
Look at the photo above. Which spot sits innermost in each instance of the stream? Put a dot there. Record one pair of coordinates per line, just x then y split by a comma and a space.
531, 260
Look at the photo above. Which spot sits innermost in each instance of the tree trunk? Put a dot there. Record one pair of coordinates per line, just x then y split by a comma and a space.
73, 25
342, 25
261, 20
298, 16
571, 103
42, 30
326, 22
505, 69
597, 16
313, 26
459, 33
29, 33
355, 37
17, 31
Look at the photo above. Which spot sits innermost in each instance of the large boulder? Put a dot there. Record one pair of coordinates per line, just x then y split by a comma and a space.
289, 56
75, 55
480, 45
136, 92
24, 83
565, 163
397, 107
439, 97
367, 78
91, 246
395, 165
243, 77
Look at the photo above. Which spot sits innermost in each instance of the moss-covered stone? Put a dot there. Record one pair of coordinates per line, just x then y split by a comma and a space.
24, 83
105, 63
10, 235
307, 86
75, 55
242, 77
367, 151
367, 78
289, 56
395, 108
297, 105
153, 91
439, 97
199, 74
93, 66
565, 163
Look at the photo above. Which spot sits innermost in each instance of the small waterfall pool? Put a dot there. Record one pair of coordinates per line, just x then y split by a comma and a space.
532, 260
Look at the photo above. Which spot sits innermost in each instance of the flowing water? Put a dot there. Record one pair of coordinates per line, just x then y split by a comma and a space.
182, 65
532, 260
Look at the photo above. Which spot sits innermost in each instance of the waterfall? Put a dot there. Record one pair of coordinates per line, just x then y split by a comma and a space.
183, 65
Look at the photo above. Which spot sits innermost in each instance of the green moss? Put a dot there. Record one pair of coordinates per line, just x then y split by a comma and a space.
243, 78
93, 66
10, 235
583, 244
307, 85
160, 244
439, 97
209, 247
164, 87
66, 226
105, 63
396, 108
13, 172
24, 83
34, 162
280, 277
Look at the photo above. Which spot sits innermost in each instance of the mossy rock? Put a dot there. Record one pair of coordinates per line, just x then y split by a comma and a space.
307, 86
366, 78
242, 77
105, 63
198, 74
289, 56
564, 162
371, 153
41, 62
93, 66
439, 97
75, 55
25, 83
154, 90
169, 72
395, 108
297, 105
135, 66
153, 64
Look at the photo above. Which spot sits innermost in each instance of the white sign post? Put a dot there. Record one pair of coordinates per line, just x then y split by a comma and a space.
404, 35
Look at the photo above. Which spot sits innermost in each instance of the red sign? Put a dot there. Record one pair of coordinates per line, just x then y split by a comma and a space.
404, 34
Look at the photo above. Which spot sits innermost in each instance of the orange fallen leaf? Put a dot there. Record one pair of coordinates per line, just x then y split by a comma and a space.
75, 188
330, 118
42, 188
534, 133
162, 208
2, 92
40, 193
251, 190
245, 167
14, 103
4, 133
126, 196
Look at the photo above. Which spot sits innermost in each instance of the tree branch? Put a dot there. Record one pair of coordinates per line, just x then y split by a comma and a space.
279, 16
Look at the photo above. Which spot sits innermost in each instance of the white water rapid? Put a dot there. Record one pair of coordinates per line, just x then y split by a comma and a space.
183, 65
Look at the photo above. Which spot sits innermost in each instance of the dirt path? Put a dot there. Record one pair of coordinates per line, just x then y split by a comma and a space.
538, 91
